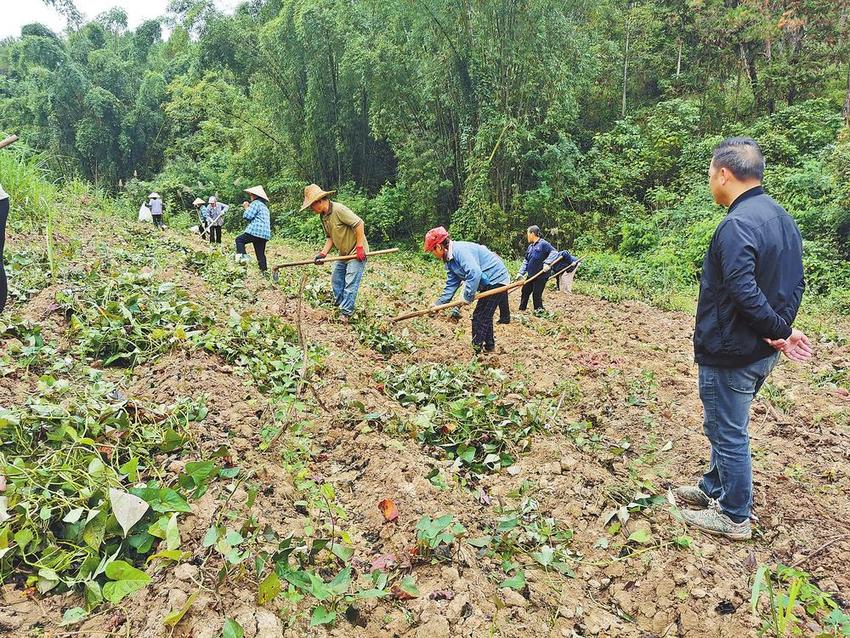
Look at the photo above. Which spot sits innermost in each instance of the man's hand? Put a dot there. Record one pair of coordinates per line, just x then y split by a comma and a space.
520, 276
547, 267
361, 253
796, 347
319, 258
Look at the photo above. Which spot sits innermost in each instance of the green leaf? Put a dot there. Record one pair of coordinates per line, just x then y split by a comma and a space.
131, 469
339, 585
232, 629
759, 584
23, 538
269, 588
125, 579
408, 586
342, 552
545, 556
517, 581
72, 616
172, 533
162, 500
94, 531
170, 554
466, 453
322, 616
641, 536
176, 616
480, 542
94, 595
211, 536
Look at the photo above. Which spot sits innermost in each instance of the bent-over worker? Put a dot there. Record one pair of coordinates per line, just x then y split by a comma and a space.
479, 269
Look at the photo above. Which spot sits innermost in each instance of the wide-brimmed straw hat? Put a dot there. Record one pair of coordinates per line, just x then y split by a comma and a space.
258, 191
154, 195
197, 201
313, 193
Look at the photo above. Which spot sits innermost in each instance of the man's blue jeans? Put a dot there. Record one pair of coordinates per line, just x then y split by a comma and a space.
726, 395
345, 281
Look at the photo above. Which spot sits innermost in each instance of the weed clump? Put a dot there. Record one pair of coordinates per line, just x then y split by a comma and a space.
466, 413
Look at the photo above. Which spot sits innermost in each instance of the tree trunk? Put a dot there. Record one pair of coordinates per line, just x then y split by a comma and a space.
679, 60
626, 63
847, 100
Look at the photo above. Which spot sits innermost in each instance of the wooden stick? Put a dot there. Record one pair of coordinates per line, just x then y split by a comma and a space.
9, 140
310, 262
817, 551
481, 295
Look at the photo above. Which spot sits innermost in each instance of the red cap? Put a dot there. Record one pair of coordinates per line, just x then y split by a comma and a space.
434, 237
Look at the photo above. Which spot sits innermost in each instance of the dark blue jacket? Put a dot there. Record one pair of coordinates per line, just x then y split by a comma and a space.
536, 255
751, 284
566, 261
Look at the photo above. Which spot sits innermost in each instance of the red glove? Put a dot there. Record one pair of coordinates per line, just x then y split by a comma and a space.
361, 254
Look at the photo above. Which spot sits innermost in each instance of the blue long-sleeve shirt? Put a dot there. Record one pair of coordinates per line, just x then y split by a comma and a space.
539, 253
473, 265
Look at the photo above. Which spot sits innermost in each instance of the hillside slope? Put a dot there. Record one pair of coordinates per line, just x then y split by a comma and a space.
553, 456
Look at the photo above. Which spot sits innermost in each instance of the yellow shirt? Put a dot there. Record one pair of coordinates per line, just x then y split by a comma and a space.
340, 224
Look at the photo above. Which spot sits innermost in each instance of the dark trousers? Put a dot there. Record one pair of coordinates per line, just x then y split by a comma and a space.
259, 248
215, 235
533, 289
157, 221
4, 213
482, 319
504, 308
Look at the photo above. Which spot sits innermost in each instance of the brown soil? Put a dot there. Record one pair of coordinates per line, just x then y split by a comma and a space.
610, 352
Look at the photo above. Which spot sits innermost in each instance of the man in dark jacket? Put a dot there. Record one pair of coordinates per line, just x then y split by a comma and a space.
750, 292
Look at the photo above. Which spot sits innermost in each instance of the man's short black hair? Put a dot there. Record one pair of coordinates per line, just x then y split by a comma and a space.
534, 230
742, 156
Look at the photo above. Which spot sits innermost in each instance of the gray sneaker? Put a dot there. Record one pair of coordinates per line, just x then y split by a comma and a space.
713, 521
689, 496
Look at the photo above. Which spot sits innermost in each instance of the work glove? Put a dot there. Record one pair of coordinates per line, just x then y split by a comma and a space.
319, 257
361, 254
547, 267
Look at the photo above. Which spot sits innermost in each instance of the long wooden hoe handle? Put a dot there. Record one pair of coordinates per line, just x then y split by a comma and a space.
9, 140
310, 262
481, 295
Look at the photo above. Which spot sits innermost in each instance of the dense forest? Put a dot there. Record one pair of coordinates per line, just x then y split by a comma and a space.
591, 118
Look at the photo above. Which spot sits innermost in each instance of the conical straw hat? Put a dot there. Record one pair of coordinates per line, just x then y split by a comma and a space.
313, 193
197, 201
154, 195
258, 191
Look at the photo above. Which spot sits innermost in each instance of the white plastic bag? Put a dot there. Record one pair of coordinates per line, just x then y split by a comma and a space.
145, 214
565, 281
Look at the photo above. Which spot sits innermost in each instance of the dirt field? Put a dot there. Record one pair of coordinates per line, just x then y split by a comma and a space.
622, 424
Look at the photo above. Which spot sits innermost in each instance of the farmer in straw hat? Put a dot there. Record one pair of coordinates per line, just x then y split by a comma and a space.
259, 229
479, 269
346, 231
213, 217
155, 204
198, 203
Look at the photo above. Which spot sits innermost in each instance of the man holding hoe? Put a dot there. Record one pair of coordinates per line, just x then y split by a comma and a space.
479, 269
346, 231
750, 292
